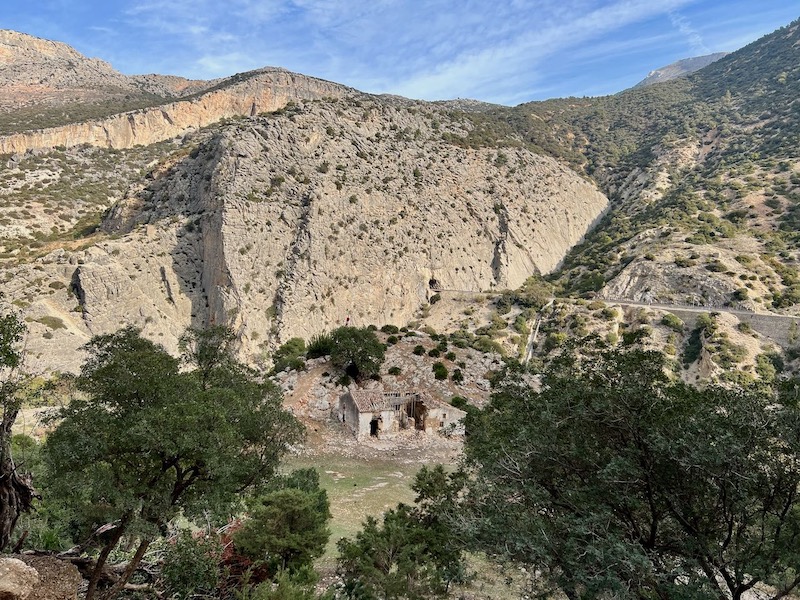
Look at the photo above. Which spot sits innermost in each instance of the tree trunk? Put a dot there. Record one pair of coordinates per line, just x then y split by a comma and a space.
16, 491
115, 589
104, 554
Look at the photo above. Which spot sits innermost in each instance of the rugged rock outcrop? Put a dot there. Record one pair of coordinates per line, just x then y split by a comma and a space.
266, 90
287, 224
58, 579
17, 579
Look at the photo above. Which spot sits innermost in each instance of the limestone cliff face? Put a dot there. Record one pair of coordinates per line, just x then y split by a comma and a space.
263, 91
28, 60
286, 225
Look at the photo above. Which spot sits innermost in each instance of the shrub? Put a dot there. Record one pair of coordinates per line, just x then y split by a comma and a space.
484, 343
419, 350
434, 299
439, 371
358, 352
289, 355
458, 402
52, 322
457, 376
451, 356
392, 339
286, 528
320, 345
390, 329
673, 322
554, 340
394, 371
191, 566
434, 352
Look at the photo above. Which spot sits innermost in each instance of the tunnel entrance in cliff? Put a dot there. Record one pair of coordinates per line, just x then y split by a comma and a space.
435, 284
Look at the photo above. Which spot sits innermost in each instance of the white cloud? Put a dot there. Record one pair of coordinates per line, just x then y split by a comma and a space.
500, 67
693, 37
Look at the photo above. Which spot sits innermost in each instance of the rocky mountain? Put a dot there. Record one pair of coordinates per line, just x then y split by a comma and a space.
680, 68
282, 205
35, 71
702, 173
286, 224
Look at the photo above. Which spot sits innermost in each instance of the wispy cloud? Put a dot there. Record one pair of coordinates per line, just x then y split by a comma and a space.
508, 51
694, 38
501, 66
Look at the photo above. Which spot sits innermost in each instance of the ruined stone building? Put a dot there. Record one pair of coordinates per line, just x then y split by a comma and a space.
383, 414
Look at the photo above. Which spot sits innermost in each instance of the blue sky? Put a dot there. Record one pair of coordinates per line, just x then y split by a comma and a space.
499, 51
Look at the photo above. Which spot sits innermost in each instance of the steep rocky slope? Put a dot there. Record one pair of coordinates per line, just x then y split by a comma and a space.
679, 68
286, 224
702, 173
34, 70
245, 95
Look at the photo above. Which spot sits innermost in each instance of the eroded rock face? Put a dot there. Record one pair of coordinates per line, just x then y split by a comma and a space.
17, 580
266, 90
286, 225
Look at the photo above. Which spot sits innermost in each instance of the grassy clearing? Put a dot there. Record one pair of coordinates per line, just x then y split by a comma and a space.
358, 488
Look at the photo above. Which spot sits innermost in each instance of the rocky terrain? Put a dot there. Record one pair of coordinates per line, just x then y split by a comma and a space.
679, 68
286, 225
284, 205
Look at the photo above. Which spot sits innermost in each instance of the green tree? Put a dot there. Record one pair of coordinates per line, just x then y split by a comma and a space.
148, 440
16, 489
191, 565
289, 355
624, 481
285, 529
412, 554
357, 351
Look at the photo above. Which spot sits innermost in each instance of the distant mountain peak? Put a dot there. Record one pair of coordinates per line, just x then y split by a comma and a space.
679, 69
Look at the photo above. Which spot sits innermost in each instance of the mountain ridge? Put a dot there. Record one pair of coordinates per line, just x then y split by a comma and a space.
683, 192
680, 68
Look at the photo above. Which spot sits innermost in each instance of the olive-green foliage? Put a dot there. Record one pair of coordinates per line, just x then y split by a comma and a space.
286, 529
15, 493
657, 475
673, 322
286, 586
191, 565
554, 340
148, 440
411, 553
289, 355
458, 401
358, 352
47, 527
485, 344
439, 370
319, 346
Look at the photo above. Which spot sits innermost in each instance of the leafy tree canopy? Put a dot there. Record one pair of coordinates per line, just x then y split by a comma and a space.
148, 440
615, 478
357, 351
412, 553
